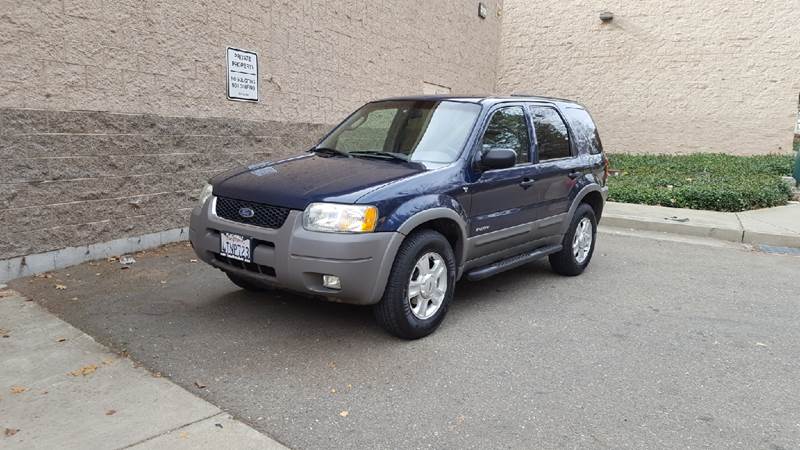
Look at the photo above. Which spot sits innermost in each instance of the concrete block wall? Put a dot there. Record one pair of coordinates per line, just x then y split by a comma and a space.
77, 177
669, 77
113, 112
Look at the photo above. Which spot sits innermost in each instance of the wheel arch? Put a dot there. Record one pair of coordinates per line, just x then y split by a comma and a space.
445, 221
596, 201
594, 195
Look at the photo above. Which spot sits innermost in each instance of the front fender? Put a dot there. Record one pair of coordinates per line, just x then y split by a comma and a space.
415, 212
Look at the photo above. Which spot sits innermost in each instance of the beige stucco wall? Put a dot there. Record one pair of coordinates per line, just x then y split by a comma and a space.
664, 76
113, 113
319, 59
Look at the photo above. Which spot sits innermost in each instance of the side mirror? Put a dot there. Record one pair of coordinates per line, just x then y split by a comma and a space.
498, 158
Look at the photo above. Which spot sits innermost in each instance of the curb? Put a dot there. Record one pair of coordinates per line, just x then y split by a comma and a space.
665, 226
778, 240
727, 232
23, 266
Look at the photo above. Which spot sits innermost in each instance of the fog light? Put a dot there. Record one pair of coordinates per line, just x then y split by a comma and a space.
331, 282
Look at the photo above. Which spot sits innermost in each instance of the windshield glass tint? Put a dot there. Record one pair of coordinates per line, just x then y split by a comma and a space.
425, 131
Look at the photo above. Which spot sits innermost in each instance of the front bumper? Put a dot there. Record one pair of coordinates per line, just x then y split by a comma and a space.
294, 258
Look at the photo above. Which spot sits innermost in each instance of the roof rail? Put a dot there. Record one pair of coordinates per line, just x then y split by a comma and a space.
543, 97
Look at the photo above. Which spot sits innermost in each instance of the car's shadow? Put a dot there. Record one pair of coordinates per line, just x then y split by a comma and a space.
296, 311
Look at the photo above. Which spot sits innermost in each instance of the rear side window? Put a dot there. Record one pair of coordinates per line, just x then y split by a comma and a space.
584, 130
508, 129
552, 137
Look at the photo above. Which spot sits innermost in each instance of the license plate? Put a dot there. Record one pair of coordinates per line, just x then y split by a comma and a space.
235, 246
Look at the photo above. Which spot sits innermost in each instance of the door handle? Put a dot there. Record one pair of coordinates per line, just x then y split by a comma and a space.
527, 182
574, 175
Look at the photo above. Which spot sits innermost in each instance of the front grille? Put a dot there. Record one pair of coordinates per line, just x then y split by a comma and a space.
266, 216
250, 267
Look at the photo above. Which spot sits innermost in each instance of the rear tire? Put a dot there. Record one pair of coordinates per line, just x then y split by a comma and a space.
415, 301
577, 250
245, 283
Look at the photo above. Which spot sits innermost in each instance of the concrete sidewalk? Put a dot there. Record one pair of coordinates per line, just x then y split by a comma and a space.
61, 389
778, 226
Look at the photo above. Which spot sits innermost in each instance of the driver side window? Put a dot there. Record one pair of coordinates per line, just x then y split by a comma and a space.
507, 129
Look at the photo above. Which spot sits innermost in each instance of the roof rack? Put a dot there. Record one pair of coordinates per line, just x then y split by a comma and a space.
543, 97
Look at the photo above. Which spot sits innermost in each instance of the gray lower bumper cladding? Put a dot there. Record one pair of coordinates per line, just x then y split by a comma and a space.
294, 258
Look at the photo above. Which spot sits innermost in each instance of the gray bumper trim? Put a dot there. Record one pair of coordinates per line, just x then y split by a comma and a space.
300, 257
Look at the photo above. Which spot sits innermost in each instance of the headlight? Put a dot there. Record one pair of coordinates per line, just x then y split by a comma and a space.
335, 218
205, 194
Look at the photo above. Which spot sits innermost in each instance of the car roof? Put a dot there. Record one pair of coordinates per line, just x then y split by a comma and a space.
485, 99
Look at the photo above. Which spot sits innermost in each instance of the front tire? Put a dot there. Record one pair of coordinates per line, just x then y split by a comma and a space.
420, 286
578, 244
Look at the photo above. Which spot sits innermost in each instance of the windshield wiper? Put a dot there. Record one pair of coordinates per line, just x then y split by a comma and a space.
330, 151
375, 153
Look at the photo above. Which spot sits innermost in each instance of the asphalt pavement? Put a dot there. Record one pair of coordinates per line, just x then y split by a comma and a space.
660, 344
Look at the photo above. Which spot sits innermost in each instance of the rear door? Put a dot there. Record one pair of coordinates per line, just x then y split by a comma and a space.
556, 168
503, 200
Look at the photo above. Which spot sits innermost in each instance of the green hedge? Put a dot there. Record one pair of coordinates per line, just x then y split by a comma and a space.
701, 181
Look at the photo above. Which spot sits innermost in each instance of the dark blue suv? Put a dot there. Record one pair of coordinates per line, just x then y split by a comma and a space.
407, 196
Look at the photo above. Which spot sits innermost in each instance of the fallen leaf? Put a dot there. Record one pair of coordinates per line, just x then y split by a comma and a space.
199, 385
193, 260
74, 299
60, 287
84, 371
4, 333
761, 344
111, 412
61, 339
4, 294
344, 413
184, 435
18, 389
156, 374
112, 258
163, 281
332, 364
218, 425
11, 431
333, 391
98, 274
349, 386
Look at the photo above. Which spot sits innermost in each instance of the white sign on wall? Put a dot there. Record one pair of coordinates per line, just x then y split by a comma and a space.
242, 75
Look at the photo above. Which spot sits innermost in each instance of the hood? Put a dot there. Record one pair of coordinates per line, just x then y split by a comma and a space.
296, 182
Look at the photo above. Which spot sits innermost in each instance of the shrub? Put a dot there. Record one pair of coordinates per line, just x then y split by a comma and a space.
717, 181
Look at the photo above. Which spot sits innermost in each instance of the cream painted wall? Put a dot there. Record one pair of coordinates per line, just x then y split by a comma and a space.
663, 76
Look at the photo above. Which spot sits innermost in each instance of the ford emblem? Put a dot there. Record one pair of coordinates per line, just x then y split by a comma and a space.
246, 212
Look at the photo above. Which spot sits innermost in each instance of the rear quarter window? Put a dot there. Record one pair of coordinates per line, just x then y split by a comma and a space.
584, 129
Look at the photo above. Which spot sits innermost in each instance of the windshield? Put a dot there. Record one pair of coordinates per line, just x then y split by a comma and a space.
426, 131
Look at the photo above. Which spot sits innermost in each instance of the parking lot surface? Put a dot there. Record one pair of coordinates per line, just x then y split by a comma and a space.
660, 344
